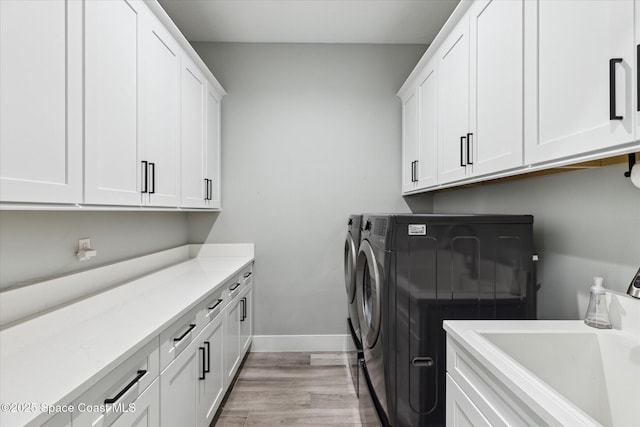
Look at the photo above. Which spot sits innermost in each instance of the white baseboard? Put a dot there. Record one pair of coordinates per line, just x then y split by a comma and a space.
279, 343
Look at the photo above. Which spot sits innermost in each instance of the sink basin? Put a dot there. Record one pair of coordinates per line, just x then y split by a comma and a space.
598, 372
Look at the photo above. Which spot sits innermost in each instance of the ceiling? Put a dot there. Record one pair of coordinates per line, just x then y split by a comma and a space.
310, 21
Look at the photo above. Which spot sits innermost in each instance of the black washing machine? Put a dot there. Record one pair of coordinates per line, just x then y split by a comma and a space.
413, 272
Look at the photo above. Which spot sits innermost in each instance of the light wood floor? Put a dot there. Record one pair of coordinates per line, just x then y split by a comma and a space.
291, 389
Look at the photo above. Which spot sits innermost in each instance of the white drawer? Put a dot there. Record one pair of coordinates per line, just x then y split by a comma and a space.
240, 282
108, 399
212, 306
178, 336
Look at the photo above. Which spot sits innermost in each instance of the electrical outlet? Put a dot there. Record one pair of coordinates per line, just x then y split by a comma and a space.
84, 243
84, 250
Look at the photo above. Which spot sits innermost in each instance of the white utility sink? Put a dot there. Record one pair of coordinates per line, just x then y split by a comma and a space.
597, 371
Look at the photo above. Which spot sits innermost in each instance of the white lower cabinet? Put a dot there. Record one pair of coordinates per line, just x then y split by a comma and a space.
461, 412
246, 320
232, 340
145, 411
211, 385
178, 389
62, 419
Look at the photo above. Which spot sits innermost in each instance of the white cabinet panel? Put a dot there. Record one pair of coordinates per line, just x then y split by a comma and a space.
159, 112
194, 186
461, 412
178, 393
426, 169
246, 321
497, 56
409, 141
145, 411
454, 104
232, 340
567, 93
41, 101
212, 387
60, 420
112, 164
213, 137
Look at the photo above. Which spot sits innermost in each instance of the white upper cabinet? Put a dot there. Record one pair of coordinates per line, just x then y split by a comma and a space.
453, 58
159, 135
194, 181
496, 119
426, 168
213, 137
409, 140
579, 57
112, 165
41, 101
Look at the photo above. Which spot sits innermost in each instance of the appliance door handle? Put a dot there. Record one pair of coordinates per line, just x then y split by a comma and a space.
422, 362
462, 144
140, 374
469, 148
145, 176
612, 89
204, 372
181, 337
152, 172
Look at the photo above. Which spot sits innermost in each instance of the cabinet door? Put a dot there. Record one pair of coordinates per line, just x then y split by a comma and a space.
637, 71
60, 420
212, 157
159, 88
211, 388
41, 101
193, 137
232, 340
145, 411
454, 104
246, 322
461, 412
409, 141
568, 48
178, 389
427, 166
497, 84
112, 165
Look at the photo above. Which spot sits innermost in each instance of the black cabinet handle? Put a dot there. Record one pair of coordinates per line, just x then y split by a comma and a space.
462, 143
140, 374
213, 307
469, 151
234, 287
145, 171
181, 337
420, 362
248, 273
206, 189
612, 89
414, 172
152, 173
204, 372
244, 306
638, 77
208, 365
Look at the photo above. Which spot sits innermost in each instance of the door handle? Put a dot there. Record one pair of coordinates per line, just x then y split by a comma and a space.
145, 176
422, 362
152, 172
469, 150
207, 369
204, 372
462, 144
612, 89
206, 189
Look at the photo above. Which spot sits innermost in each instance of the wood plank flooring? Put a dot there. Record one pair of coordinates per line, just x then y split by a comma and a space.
291, 389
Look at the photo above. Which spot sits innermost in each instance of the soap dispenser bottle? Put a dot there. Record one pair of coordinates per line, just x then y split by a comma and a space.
597, 313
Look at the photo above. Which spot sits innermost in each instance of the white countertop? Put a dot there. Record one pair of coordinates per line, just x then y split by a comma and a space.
55, 357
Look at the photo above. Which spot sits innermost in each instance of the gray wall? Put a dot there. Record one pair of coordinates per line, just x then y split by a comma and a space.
40, 244
311, 133
586, 223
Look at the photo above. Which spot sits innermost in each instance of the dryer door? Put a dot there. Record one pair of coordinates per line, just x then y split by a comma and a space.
368, 288
350, 257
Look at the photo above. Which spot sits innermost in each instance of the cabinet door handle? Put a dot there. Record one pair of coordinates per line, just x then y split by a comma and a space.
140, 374
207, 369
415, 171
234, 287
420, 362
210, 189
206, 189
152, 173
204, 372
242, 316
462, 143
413, 179
469, 148
213, 307
145, 172
181, 337
612, 89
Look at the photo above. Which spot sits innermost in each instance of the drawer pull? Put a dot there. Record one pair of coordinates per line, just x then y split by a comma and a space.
181, 337
213, 307
141, 374
247, 274
420, 362
234, 287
